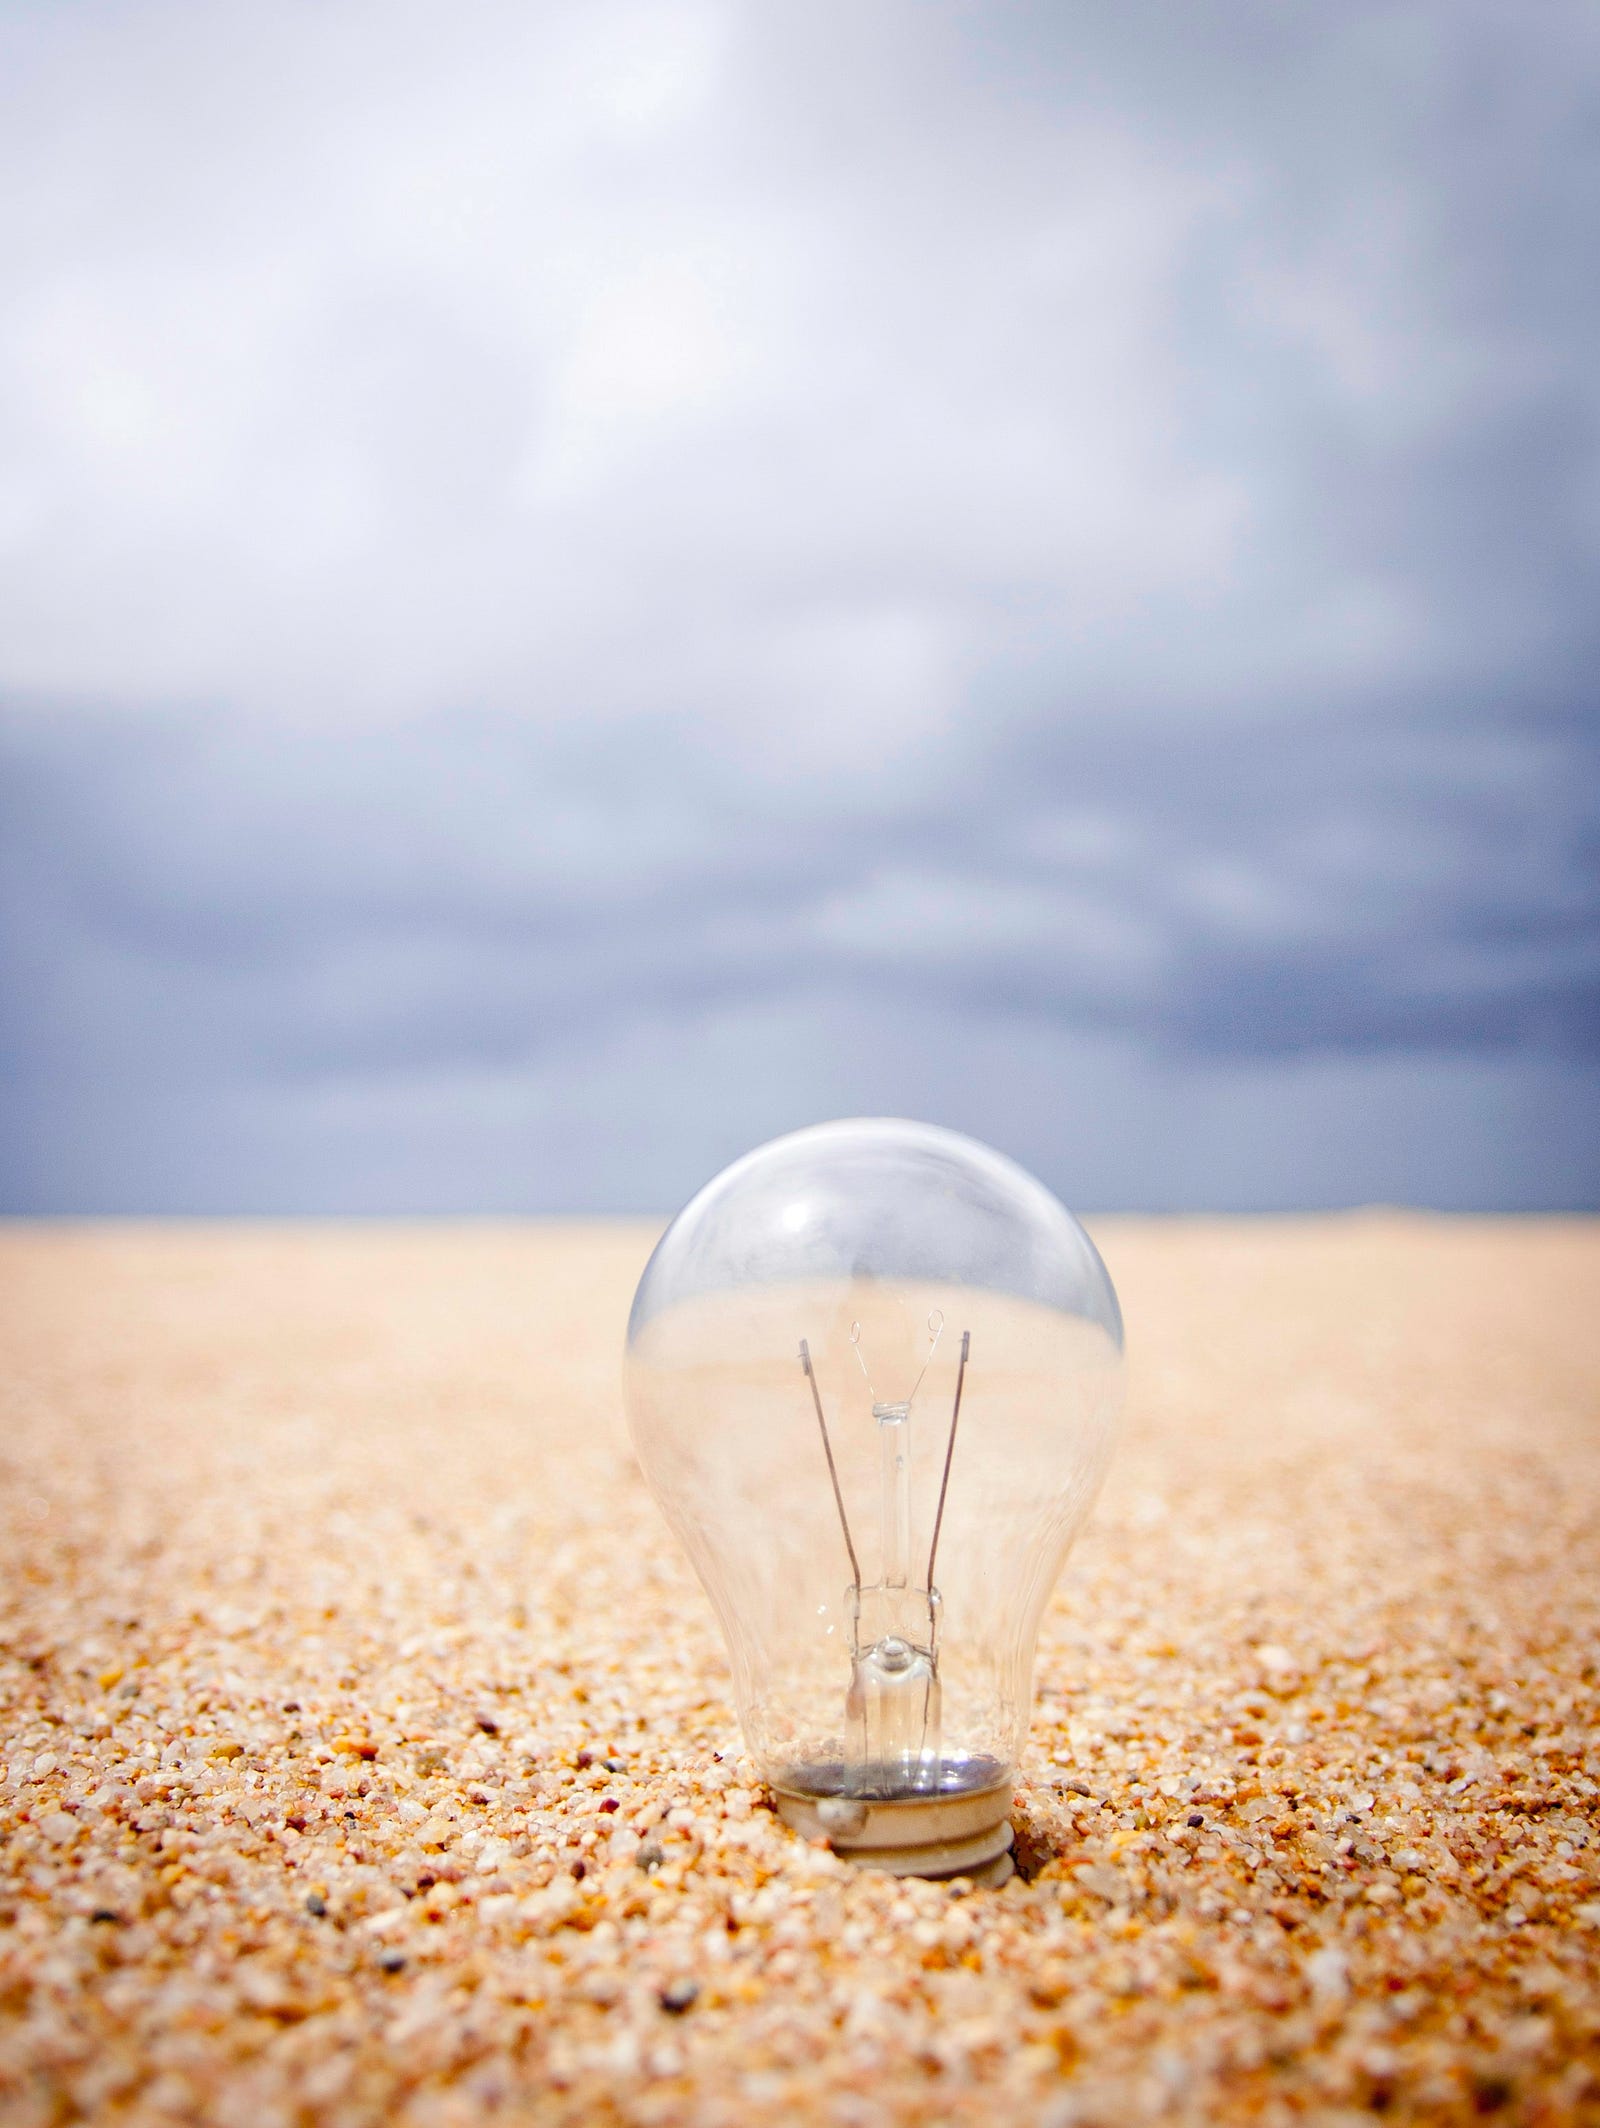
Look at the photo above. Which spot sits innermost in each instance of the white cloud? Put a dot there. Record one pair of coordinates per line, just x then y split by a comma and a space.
383, 358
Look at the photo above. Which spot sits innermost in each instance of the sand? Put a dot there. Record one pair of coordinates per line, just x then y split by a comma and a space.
365, 1753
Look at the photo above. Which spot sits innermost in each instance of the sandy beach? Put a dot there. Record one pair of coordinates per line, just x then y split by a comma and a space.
366, 1756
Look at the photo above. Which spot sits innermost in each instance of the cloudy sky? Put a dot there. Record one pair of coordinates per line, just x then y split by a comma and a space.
581, 586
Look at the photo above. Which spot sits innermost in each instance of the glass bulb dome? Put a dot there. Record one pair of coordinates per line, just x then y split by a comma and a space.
873, 1370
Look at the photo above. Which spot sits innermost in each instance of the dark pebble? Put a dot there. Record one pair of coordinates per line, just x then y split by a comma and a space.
608, 1804
585, 1758
104, 1913
615, 1765
1196, 1818
291, 1706
488, 1724
316, 1904
580, 1870
650, 1856
392, 1962
678, 1995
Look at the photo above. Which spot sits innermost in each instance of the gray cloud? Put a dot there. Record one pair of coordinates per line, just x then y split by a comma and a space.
582, 584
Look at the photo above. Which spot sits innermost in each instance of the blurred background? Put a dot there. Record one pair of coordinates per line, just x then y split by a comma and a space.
580, 586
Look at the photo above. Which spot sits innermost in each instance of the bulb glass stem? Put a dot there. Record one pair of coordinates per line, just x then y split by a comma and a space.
894, 1699
894, 1468
894, 1695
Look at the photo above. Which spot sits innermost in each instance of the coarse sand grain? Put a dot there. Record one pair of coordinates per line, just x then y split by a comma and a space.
366, 1755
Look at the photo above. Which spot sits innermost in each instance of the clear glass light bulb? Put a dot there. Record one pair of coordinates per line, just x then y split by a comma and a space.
873, 1371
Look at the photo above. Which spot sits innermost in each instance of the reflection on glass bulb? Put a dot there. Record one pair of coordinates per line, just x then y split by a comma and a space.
872, 1374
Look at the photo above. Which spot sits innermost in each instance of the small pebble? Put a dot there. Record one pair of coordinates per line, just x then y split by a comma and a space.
679, 1995
316, 1904
651, 1855
391, 1961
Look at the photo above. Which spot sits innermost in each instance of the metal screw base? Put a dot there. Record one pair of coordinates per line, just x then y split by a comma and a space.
917, 1836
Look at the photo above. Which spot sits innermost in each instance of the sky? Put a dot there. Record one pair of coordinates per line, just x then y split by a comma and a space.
581, 586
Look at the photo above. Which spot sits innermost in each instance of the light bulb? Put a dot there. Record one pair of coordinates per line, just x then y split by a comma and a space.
873, 1370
